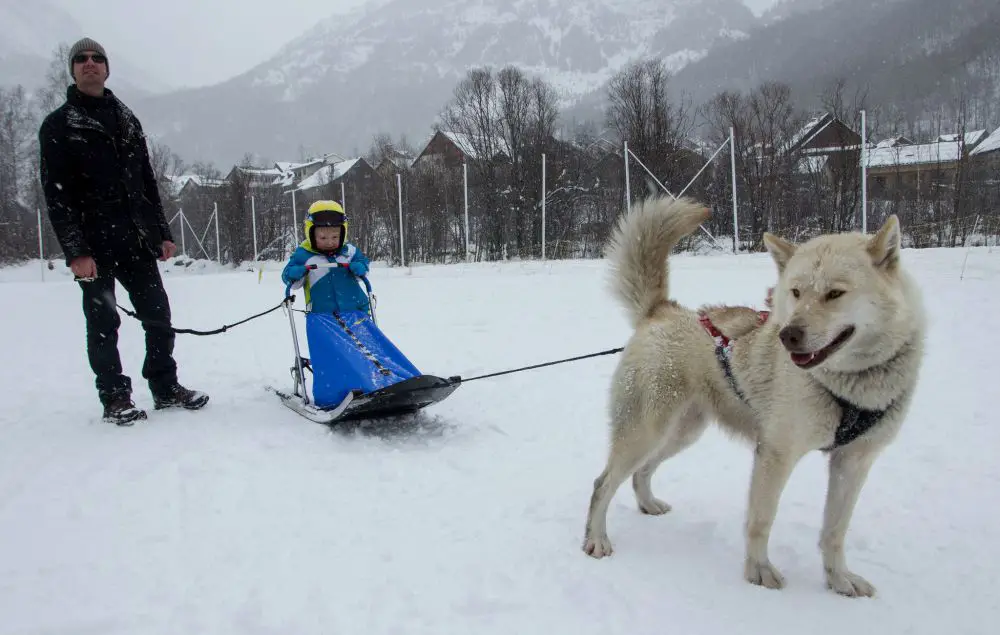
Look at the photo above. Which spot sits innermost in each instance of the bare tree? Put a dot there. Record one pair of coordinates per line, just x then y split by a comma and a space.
15, 135
656, 123
505, 120
765, 122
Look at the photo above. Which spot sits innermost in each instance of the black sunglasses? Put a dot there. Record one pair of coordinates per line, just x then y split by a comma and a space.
81, 58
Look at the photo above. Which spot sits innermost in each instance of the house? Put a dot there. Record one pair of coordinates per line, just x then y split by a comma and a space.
352, 178
197, 190
918, 166
291, 173
254, 178
394, 162
825, 146
452, 149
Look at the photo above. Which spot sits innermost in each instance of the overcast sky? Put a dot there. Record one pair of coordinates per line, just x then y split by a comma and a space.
198, 42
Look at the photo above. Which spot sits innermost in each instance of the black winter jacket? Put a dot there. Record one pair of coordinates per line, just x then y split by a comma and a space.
99, 186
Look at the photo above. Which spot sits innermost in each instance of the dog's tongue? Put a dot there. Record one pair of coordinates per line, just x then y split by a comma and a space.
800, 359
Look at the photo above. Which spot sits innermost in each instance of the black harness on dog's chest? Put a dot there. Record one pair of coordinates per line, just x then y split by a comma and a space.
854, 422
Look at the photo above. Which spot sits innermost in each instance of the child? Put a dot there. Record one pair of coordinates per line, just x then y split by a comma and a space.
328, 289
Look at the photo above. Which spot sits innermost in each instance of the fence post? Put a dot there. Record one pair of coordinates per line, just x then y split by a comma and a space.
295, 221
253, 214
864, 173
41, 251
183, 244
218, 247
465, 188
543, 206
402, 249
628, 184
732, 163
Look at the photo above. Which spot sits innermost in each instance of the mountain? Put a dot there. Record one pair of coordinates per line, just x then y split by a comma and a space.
919, 56
391, 66
31, 32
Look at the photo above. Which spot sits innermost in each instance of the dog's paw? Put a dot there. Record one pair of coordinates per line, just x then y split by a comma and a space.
654, 507
849, 584
597, 547
763, 574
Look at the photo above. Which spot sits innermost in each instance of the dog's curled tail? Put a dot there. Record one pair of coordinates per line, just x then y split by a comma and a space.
638, 249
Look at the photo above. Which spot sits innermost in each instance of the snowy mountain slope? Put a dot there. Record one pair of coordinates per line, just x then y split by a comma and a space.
392, 65
917, 55
245, 519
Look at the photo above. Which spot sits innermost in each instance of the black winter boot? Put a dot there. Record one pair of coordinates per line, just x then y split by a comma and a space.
178, 396
122, 412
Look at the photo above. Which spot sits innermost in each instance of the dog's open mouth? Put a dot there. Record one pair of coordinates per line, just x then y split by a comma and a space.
811, 360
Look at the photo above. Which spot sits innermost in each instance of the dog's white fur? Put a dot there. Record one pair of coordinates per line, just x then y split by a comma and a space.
669, 382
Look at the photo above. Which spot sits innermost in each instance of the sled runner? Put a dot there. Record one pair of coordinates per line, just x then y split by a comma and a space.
357, 372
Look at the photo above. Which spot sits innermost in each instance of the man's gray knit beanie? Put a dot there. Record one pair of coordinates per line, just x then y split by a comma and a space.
87, 44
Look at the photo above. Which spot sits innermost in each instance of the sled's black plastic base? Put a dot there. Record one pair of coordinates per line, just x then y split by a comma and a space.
405, 397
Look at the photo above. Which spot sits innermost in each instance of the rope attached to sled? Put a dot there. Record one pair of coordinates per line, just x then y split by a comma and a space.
610, 351
221, 329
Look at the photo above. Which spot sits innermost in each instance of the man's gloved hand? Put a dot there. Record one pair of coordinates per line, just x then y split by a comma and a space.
358, 268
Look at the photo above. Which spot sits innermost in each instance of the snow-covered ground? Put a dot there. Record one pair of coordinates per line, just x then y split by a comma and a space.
243, 518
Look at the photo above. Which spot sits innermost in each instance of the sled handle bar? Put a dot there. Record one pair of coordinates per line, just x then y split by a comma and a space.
288, 287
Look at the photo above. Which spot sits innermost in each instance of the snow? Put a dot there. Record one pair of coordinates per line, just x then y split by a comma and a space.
922, 153
244, 518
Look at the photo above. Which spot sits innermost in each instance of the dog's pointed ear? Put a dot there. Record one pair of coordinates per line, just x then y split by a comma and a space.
886, 244
780, 249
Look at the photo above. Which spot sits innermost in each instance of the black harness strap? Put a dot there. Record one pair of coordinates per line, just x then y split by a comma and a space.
727, 368
854, 422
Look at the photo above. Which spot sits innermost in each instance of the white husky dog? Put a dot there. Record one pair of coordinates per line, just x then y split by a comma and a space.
833, 367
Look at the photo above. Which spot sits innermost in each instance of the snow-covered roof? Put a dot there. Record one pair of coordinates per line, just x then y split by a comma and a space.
989, 144
327, 174
971, 138
183, 179
892, 142
399, 160
916, 154
466, 145
259, 172
810, 129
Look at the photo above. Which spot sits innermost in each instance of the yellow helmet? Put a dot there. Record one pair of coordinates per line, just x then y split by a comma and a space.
325, 214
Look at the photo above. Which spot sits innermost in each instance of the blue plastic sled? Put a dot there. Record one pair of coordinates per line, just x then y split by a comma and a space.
357, 372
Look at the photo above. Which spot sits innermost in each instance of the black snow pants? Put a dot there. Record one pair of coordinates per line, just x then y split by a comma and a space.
141, 279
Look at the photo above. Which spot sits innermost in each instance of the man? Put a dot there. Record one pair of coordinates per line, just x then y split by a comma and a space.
105, 208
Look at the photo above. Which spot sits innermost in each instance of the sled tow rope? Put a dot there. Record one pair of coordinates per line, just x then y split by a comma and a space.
221, 329
610, 351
